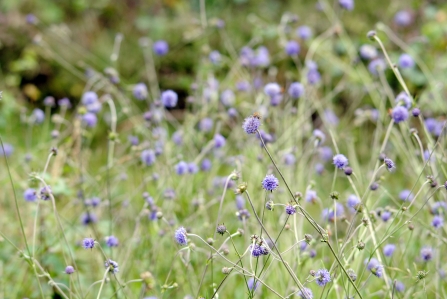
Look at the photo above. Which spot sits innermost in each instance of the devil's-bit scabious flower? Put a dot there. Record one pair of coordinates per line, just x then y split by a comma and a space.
296, 90
161, 48
215, 57
390, 166
399, 114
289, 159
38, 116
148, 157
112, 266
89, 119
30, 195
304, 32
206, 124
399, 286
376, 65
69, 270
406, 195
404, 98
193, 168
385, 215
88, 218
319, 136
375, 267
389, 249
311, 196
64, 103
112, 241
340, 161
180, 236
219, 141
45, 193
251, 124
368, 52
206, 165
292, 48
240, 202
403, 18
325, 153
352, 201
290, 209
221, 229
305, 293
88, 243
270, 182
427, 253
438, 221
7, 151
169, 98
243, 214
88, 98
346, 4
227, 98
181, 168
322, 277
140, 91
272, 89
406, 61
255, 250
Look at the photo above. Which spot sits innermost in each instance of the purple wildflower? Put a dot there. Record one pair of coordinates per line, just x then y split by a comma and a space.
322, 277
270, 182
181, 237
88, 243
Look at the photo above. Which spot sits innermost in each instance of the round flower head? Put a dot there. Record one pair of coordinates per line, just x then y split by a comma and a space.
262, 58
89, 119
30, 195
219, 141
340, 161
389, 164
415, 112
177, 137
206, 125
243, 86
169, 98
251, 124
427, 253
6, 150
88, 243
311, 196
88, 98
112, 241
38, 116
346, 4
406, 195
240, 202
206, 165
161, 48
353, 201
305, 293
181, 168
215, 57
69, 270
375, 267
112, 266
289, 159
368, 52
255, 250
385, 215
304, 32
192, 167
292, 48
313, 76
403, 18
406, 61
180, 236
148, 157
438, 221
140, 91
399, 114
290, 210
227, 97
389, 249
272, 89
402, 97
45, 193
399, 286
270, 182
64, 102
296, 90
243, 214
322, 277
88, 218
331, 117
377, 65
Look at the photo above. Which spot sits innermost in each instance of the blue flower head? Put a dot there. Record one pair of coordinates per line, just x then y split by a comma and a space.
290, 209
389, 249
88, 243
375, 267
270, 182
340, 161
169, 98
399, 114
306, 293
251, 124
322, 277
180, 236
